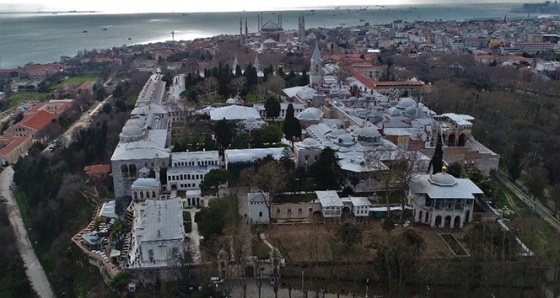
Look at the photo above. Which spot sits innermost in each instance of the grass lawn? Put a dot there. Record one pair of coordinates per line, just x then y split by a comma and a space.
21, 97
76, 80
260, 249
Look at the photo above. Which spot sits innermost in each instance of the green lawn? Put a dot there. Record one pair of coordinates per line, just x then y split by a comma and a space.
76, 80
18, 98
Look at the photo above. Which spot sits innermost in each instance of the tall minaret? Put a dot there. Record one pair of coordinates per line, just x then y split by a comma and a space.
246, 29
315, 75
301, 29
173, 35
241, 39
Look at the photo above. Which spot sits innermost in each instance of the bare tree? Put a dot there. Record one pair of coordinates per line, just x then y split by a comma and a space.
208, 88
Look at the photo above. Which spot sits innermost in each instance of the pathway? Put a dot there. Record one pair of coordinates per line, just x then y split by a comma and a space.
33, 269
535, 205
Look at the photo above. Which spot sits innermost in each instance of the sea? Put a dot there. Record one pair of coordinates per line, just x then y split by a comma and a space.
43, 37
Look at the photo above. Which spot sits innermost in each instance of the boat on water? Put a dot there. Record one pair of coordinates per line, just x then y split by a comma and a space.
85, 31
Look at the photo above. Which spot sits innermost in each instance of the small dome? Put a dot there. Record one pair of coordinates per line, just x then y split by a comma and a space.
395, 113
368, 132
346, 140
310, 114
230, 101
411, 111
310, 143
406, 102
337, 132
394, 102
443, 179
131, 130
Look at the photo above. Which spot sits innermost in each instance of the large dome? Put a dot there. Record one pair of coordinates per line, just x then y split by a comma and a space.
443, 179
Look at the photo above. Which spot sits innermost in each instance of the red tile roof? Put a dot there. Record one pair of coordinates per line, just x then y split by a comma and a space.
95, 169
14, 143
38, 121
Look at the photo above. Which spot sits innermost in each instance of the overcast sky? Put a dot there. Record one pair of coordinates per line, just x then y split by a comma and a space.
216, 5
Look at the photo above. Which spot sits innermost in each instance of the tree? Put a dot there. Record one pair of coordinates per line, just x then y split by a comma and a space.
326, 172
224, 130
292, 127
536, 180
214, 179
455, 169
436, 163
272, 107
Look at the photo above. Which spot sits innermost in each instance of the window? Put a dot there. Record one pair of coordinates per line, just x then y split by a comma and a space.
260, 214
300, 210
277, 210
289, 209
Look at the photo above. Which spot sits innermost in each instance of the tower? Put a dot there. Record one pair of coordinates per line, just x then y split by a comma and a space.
241, 39
173, 35
301, 29
315, 75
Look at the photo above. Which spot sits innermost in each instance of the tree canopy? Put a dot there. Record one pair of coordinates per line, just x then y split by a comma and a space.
272, 107
326, 172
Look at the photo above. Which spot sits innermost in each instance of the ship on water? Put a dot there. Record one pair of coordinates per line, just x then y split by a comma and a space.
547, 7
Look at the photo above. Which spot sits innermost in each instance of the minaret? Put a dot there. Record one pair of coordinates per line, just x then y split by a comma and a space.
301, 29
173, 35
315, 76
241, 41
246, 28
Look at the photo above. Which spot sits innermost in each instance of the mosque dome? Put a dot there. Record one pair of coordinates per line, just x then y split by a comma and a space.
310, 114
405, 103
310, 143
346, 140
368, 132
131, 130
337, 132
412, 111
394, 102
230, 101
395, 113
443, 179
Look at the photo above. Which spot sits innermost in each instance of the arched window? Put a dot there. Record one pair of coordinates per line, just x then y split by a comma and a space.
124, 170
132, 169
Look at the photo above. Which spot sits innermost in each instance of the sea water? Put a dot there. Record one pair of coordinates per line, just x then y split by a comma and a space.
43, 37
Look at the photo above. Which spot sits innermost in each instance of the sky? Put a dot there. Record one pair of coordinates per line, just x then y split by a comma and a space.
122, 6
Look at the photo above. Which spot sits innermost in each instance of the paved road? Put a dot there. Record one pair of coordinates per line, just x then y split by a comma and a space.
34, 270
537, 206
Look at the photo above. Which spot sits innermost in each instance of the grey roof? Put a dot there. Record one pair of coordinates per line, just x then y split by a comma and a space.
329, 198
161, 220
459, 119
316, 54
234, 112
360, 201
150, 147
108, 210
251, 155
258, 197
463, 189
146, 182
